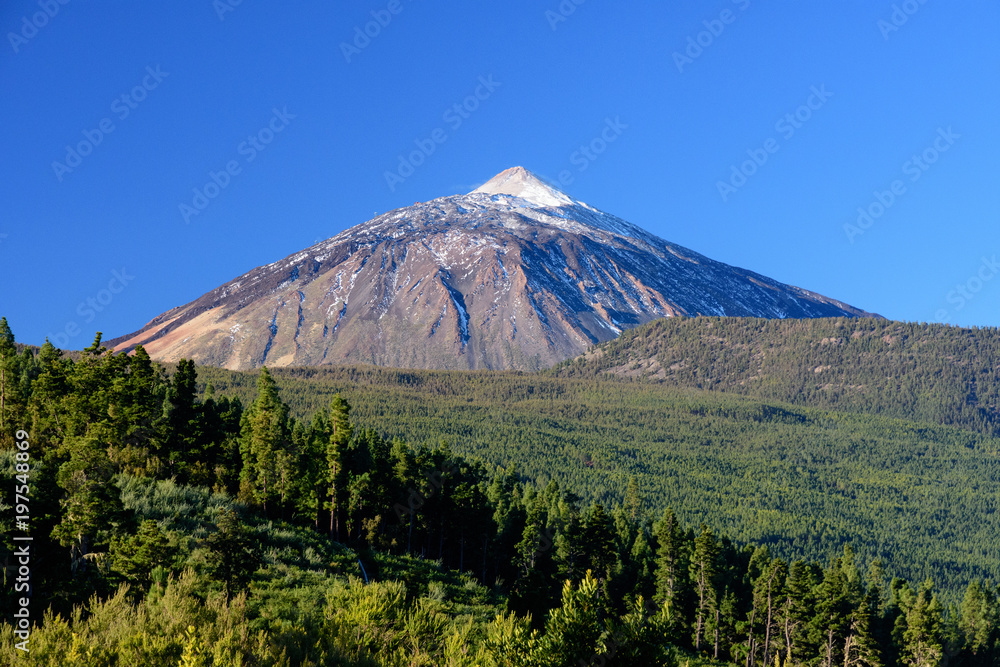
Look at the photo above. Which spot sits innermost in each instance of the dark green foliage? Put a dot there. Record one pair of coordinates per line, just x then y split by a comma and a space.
181, 417
671, 579
461, 560
91, 509
234, 553
9, 378
136, 557
599, 551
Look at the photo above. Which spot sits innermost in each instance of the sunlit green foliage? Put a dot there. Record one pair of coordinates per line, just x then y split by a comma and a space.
173, 527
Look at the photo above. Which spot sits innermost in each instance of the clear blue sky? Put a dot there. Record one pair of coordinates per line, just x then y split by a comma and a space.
887, 94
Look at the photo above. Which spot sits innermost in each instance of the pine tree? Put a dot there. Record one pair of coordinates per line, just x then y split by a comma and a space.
671, 570
509, 517
181, 417
306, 486
703, 571
84, 410
569, 541
91, 509
764, 625
922, 639
48, 393
642, 564
404, 473
234, 554
573, 630
633, 500
861, 647
533, 558
797, 611
533, 539
832, 614
975, 622
639, 637
8, 374
264, 443
336, 449
600, 550
135, 557
135, 409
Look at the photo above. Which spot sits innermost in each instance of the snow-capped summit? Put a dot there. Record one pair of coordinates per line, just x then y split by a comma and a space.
519, 182
515, 274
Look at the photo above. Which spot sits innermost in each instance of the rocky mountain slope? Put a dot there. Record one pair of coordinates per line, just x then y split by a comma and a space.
512, 275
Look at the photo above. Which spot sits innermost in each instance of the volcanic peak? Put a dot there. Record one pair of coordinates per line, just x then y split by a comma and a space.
515, 274
519, 182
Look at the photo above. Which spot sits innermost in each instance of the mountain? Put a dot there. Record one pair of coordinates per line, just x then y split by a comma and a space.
515, 274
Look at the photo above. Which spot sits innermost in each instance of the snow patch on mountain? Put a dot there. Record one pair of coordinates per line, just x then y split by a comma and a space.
519, 182
534, 277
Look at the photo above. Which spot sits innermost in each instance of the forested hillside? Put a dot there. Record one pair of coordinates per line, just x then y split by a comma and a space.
804, 481
925, 372
172, 526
